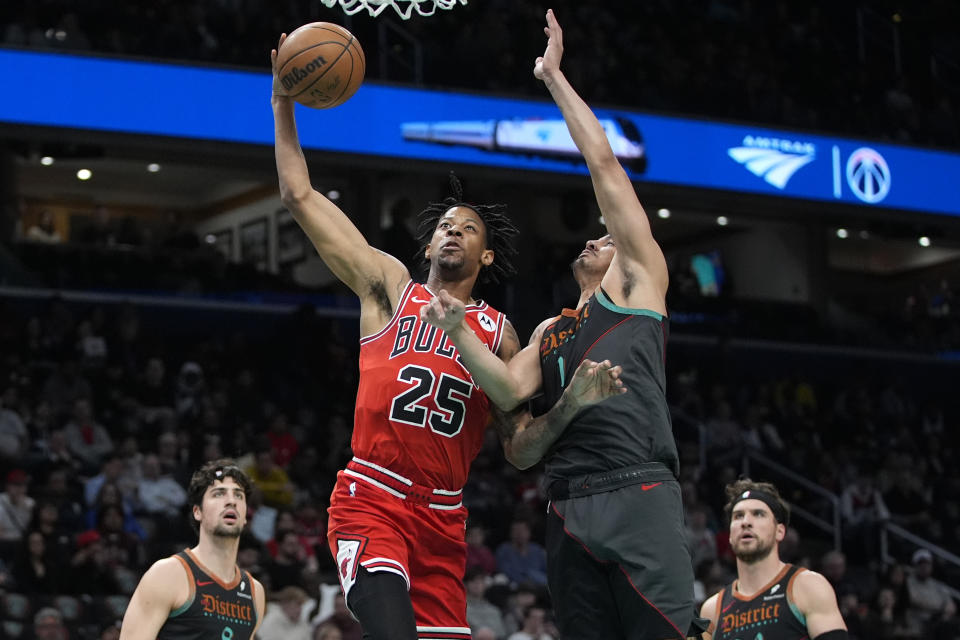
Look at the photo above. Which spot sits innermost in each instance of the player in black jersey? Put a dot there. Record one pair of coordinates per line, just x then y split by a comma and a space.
618, 564
200, 593
769, 600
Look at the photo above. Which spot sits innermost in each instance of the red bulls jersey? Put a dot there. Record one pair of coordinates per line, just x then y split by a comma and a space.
419, 413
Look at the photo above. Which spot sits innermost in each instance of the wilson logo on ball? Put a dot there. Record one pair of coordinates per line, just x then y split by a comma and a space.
295, 75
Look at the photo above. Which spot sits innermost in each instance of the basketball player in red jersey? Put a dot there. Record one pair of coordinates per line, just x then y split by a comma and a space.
200, 593
396, 525
769, 599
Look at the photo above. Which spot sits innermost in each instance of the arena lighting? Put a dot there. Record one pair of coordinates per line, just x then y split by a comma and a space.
842, 233
924, 241
46, 161
153, 167
210, 238
722, 221
333, 194
864, 234
84, 174
663, 213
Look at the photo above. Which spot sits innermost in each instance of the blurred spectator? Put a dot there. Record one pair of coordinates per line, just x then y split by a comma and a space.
517, 604
533, 625
35, 570
479, 554
481, 613
863, 511
520, 559
343, 620
109, 474
887, 620
14, 438
87, 439
65, 386
48, 625
287, 619
833, 566
174, 461
287, 567
701, 540
91, 346
99, 229
154, 395
189, 391
930, 602
44, 229
906, 498
159, 495
724, 434
282, 442
111, 497
16, 508
327, 631
273, 482
111, 631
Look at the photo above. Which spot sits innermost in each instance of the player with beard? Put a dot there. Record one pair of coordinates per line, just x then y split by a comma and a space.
770, 599
200, 593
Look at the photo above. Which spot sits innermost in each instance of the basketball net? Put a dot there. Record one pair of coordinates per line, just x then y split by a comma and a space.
404, 8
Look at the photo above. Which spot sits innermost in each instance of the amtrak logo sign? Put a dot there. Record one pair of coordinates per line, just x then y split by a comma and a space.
868, 175
773, 159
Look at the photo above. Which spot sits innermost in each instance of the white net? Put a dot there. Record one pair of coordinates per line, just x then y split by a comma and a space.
404, 8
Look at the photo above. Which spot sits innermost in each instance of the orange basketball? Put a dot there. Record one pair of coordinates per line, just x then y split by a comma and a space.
321, 65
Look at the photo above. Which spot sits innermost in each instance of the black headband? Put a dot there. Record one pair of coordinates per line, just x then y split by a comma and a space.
781, 515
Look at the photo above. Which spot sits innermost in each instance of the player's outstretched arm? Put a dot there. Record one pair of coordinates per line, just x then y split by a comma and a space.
526, 439
162, 589
507, 384
624, 215
340, 244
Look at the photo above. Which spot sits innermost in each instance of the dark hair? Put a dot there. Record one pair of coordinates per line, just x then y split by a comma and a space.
763, 491
211, 472
499, 228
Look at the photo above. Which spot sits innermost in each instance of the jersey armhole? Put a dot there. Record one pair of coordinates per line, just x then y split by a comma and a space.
191, 589
719, 605
791, 601
253, 594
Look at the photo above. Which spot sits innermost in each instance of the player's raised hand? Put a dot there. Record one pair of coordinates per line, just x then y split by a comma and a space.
277, 87
443, 311
550, 60
594, 382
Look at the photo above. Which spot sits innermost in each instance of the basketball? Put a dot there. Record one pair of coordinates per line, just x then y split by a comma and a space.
321, 65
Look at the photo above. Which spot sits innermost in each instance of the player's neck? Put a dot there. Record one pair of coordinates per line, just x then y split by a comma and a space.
587, 289
459, 289
754, 576
219, 555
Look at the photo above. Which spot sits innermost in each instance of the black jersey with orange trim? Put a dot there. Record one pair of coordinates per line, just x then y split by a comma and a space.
630, 429
214, 610
769, 614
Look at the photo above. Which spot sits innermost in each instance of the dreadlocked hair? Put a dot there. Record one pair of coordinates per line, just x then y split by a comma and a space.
499, 228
